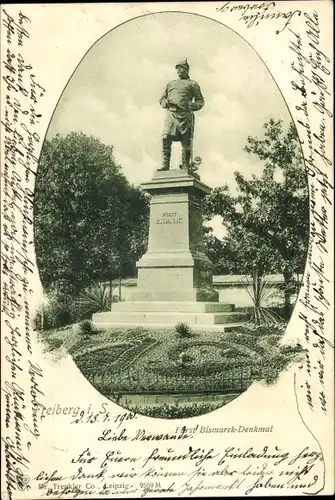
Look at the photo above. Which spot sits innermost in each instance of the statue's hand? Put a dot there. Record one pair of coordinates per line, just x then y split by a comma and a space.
164, 103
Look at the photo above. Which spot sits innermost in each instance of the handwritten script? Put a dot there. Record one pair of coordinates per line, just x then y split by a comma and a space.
254, 14
311, 80
123, 457
21, 390
147, 468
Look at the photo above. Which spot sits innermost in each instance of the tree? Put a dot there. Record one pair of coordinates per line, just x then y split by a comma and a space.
267, 220
222, 253
89, 221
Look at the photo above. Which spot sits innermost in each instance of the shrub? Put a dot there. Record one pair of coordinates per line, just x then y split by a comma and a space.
57, 313
261, 291
86, 327
95, 298
183, 330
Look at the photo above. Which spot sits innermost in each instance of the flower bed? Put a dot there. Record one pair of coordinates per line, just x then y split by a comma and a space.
128, 356
241, 339
110, 357
97, 362
144, 360
205, 358
116, 349
259, 330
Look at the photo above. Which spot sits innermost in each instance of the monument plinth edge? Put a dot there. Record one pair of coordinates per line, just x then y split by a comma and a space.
178, 180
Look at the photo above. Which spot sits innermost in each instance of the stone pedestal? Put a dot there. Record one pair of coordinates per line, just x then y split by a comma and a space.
175, 267
174, 275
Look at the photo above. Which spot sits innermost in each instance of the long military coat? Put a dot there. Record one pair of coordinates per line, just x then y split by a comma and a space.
180, 99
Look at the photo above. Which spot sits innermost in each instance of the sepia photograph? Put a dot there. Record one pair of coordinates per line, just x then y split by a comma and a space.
171, 218
167, 257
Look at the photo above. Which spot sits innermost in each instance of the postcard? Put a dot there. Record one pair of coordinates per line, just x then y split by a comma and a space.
167, 250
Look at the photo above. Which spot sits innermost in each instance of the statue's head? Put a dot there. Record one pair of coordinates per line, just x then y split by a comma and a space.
183, 69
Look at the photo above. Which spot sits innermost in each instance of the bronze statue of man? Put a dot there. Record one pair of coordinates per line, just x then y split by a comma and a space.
180, 99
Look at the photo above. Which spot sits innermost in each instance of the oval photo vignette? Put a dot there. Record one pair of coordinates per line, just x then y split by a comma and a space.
171, 218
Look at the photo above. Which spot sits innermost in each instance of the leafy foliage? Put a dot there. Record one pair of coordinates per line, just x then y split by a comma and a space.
223, 253
267, 220
90, 222
58, 312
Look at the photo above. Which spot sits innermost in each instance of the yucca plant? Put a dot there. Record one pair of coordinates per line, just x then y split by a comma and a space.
86, 327
183, 330
95, 298
261, 291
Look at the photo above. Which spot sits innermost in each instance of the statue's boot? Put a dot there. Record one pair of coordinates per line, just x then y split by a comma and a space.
185, 159
166, 155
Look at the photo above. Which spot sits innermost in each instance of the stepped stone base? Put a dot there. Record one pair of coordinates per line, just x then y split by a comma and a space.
187, 294
195, 314
178, 307
157, 326
175, 282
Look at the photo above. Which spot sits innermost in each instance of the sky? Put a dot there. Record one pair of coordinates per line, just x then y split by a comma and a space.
114, 93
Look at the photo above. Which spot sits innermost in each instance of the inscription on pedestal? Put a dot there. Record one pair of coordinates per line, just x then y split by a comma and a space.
175, 266
170, 218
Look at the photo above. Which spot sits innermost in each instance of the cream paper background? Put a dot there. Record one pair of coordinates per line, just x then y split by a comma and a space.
60, 35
